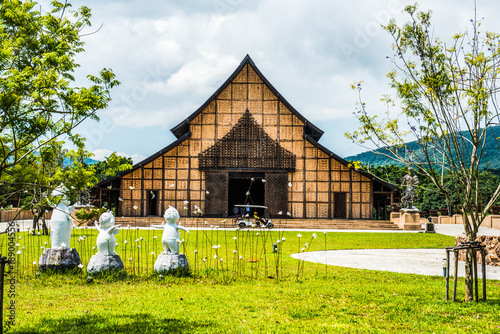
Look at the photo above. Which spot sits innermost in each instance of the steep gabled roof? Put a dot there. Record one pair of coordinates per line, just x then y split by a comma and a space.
309, 129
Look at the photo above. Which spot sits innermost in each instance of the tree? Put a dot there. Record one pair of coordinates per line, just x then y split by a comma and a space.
447, 95
112, 165
39, 101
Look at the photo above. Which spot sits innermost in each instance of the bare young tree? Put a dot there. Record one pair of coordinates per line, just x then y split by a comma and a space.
447, 99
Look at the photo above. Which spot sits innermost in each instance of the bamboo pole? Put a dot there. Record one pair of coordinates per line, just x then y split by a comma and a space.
455, 254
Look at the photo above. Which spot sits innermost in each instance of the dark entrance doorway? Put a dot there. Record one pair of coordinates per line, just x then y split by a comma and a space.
340, 205
152, 203
240, 183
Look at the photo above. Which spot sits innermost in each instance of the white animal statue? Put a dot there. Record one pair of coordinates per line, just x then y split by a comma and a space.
106, 241
171, 237
61, 221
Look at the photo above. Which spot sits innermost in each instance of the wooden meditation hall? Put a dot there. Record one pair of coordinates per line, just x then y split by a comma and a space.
246, 138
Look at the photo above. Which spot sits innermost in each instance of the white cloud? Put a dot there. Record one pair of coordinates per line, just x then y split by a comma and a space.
171, 56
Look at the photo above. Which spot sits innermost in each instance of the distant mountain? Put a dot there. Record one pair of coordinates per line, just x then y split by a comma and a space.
491, 158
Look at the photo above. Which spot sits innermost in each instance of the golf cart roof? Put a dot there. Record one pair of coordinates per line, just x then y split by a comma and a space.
250, 206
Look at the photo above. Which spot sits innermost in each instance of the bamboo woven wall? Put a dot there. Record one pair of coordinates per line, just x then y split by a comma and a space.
176, 177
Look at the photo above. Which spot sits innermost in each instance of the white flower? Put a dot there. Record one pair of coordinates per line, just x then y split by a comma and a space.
288, 214
283, 239
93, 248
234, 238
20, 237
241, 257
34, 263
130, 259
80, 266
117, 244
41, 247
45, 243
263, 181
258, 233
135, 207
252, 179
109, 187
221, 259
223, 221
196, 251
138, 246
280, 213
17, 245
173, 261
248, 193
19, 252
178, 241
185, 208
302, 249
125, 242
215, 246
206, 223
299, 235
131, 187
152, 253
290, 184
278, 241
137, 240
63, 245
186, 202
108, 238
314, 235
207, 192
120, 199
140, 238
204, 259
307, 245
215, 256
155, 237
172, 185
235, 251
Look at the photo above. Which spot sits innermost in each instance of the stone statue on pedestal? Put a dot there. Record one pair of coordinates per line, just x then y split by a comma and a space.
60, 256
105, 259
170, 260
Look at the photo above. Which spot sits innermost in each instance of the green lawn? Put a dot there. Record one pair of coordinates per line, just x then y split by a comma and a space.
272, 295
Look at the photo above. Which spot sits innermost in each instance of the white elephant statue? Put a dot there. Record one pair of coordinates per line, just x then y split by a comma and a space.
61, 221
106, 241
171, 237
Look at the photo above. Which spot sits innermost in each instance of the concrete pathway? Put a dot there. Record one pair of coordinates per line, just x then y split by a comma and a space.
410, 261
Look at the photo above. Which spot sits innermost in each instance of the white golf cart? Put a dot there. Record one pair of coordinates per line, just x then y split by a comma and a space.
251, 215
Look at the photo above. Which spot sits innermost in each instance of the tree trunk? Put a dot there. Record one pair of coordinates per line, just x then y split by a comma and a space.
469, 279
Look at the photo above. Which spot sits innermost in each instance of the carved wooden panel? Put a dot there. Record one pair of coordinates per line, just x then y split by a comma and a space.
277, 192
216, 184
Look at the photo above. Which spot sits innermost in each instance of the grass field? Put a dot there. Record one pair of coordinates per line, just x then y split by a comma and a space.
275, 294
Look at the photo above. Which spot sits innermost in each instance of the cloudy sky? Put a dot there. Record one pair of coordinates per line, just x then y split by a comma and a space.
172, 55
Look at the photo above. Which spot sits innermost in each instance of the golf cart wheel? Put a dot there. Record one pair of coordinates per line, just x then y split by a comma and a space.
241, 225
270, 225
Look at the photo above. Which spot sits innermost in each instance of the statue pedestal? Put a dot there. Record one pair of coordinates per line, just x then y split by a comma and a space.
170, 263
99, 263
59, 259
410, 220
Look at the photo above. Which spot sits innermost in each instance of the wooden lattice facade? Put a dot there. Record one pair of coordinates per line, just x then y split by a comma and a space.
247, 130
